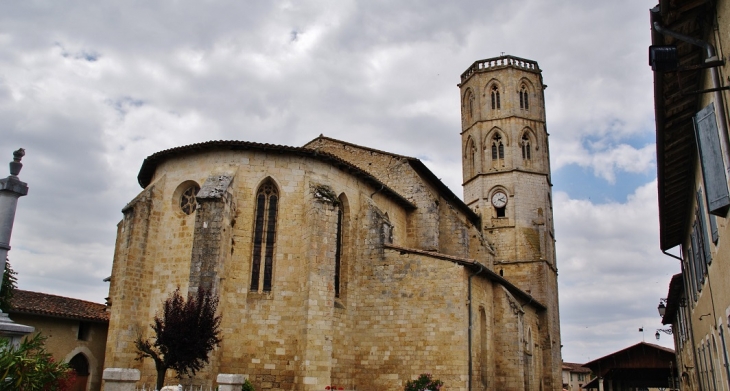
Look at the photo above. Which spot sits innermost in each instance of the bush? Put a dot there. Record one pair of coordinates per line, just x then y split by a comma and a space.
247, 386
29, 367
424, 382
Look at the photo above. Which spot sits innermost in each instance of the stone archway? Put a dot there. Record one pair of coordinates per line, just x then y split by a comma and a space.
80, 364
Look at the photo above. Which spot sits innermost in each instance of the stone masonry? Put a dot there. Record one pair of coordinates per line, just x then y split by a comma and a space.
376, 268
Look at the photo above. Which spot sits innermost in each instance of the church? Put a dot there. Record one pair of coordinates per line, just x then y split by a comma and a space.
339, 265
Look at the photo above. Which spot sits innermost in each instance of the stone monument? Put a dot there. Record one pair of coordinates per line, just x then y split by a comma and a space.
11, 188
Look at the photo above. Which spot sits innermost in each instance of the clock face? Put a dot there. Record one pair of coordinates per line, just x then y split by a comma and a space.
499, 199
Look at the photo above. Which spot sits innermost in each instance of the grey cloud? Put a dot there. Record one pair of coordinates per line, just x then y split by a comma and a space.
103, 85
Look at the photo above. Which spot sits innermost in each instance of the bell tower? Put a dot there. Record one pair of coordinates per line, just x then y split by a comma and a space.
506, 176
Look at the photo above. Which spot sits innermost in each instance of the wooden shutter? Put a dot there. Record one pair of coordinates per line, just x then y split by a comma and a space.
697, 257
703, 227
713, 169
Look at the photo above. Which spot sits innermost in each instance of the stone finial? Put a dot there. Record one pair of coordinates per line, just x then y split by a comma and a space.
16, 165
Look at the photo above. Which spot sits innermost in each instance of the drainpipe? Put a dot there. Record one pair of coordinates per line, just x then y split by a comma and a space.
716, 86
691, 329
481, 268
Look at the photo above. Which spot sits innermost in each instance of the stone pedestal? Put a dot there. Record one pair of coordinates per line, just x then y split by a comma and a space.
120, 379
13, 331
230, 382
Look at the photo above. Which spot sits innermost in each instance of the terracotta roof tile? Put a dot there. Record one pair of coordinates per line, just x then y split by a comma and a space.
575, 367
36, 303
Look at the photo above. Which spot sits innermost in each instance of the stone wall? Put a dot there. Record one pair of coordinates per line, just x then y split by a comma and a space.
399, 313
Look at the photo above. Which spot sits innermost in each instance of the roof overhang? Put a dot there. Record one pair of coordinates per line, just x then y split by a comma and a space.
675, 104
150, 164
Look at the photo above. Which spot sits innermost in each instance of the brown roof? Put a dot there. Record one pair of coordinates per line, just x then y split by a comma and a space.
36, 303
675, 104
575, 367
657, 356
420, 168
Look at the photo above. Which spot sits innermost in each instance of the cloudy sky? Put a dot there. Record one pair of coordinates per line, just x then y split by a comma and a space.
91, 88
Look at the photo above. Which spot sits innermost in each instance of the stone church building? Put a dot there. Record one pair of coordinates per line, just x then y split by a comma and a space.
341, 265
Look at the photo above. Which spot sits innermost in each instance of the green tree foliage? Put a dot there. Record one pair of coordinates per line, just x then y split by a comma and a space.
423, 383
9, 284
29, 367
185, 333
247, 386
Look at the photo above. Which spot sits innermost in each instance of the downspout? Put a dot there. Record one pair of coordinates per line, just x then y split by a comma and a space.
481, 268
691, 329
716, 86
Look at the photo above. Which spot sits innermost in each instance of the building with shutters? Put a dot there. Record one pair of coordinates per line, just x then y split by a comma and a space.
339, 265
693, 159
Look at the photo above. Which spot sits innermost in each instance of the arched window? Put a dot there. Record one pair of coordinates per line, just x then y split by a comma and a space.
469, 104
338, 252
341, 250
187, 199
264, 236
497, 148
526, 153
471, 151
495, 97
524, 102
483, 362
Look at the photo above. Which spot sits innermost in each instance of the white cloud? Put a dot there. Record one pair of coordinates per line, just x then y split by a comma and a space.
605, 161
612, 273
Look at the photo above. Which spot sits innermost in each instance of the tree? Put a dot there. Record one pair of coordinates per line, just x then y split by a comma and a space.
30, 367
185, 333
9, 284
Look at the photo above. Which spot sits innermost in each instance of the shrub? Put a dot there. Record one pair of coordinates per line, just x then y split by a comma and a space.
247, 386
29, 367
424, 382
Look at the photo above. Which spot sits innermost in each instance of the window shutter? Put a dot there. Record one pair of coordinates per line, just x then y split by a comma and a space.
697, 257
713, 220
703, 227
690, 274
713, 170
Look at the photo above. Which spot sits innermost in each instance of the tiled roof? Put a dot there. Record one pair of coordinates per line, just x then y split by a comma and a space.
36, 303
575, 367
421, 168
147, 171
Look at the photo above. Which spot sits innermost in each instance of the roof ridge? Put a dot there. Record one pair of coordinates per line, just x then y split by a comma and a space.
323, 137
59, 296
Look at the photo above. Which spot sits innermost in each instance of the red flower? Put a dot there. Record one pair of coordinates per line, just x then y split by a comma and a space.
327, 388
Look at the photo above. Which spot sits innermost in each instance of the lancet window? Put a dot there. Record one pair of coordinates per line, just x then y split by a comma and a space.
471, 156
264, 236
526, 150
469, 105
495, 97
497, 148
524, 102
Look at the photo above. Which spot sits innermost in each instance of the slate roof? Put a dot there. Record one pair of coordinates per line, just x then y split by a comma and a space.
36, 303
